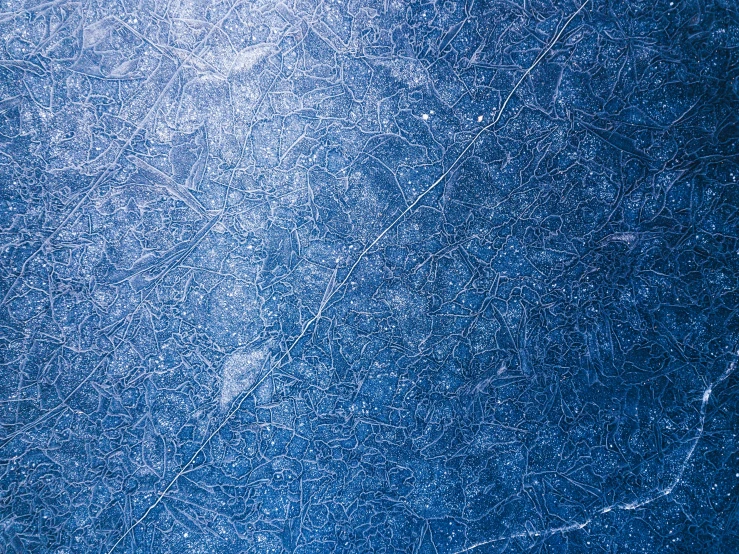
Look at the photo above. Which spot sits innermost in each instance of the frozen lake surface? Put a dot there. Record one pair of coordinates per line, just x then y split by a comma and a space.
369, 276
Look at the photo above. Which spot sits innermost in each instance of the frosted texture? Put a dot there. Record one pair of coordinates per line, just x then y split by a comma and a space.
369, 276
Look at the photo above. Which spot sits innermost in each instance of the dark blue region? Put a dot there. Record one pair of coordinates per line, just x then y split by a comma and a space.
369, 276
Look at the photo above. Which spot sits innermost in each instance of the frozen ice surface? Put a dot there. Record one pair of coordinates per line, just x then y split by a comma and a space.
357, 276
241, 374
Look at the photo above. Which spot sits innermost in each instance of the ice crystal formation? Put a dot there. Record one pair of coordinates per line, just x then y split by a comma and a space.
369, 276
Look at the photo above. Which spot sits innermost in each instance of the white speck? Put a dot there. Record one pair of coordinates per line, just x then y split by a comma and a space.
479, 119
425, 116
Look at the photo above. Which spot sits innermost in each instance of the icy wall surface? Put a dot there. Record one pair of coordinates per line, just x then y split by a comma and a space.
369, 276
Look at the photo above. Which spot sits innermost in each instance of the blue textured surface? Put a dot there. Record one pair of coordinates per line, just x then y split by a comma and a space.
369, 276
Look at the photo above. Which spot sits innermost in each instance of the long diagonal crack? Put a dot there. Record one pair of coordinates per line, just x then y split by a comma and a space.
333, 289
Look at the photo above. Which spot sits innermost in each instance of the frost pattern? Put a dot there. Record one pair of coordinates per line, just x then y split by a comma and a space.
369, 276
241, 371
